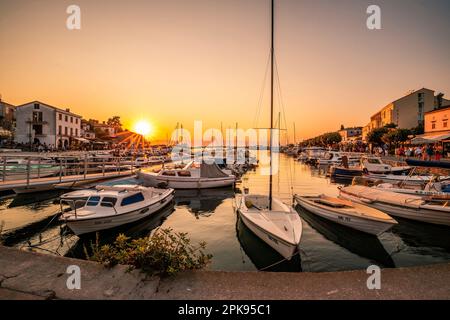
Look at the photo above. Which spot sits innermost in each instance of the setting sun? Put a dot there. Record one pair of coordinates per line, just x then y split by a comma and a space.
143, 128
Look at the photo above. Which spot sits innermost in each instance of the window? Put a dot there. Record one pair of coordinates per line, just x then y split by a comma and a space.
65, 131
76, 120
71, 131
60, 130
36, 106
444, 124
37, 129
433, 125
76, 132
71, 119
60, 117
93, 201
66, 118
135, 198
108, 202
37, 116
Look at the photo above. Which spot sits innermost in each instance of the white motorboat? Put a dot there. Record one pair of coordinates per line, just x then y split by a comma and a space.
114, 206
407, 206
280, 226
375, 165
335, 158
353, 215
269, 218
191, 176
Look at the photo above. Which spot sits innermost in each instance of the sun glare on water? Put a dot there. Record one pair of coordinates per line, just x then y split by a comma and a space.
143, 128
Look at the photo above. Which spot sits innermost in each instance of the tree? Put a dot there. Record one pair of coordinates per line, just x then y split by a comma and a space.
331, 138
115, 123
375, 136
418, 130
342, 127
396, 137
391, 126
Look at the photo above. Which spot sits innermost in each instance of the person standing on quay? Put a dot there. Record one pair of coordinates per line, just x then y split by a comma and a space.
429, 152
437, 153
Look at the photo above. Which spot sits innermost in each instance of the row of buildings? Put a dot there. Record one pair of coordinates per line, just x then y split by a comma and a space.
417, 109
43, 124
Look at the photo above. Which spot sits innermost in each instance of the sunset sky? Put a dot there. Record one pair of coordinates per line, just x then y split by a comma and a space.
183, 60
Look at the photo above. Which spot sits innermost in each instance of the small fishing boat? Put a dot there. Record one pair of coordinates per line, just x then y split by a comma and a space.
430, 210
279, 225
347, 213
111, 207
191, 176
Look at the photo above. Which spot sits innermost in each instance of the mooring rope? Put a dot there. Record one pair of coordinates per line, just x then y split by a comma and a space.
281, 261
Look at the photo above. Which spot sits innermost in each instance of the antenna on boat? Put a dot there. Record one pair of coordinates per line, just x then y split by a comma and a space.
272, 51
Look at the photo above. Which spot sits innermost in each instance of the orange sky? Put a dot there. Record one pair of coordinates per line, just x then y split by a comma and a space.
184, 60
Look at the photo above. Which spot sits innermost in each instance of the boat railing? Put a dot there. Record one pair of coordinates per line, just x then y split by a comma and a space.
31, 167
73, 204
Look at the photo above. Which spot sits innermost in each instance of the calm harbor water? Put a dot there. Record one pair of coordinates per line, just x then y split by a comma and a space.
209, 215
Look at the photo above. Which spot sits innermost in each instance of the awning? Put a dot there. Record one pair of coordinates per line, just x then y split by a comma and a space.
430, 138
82, 140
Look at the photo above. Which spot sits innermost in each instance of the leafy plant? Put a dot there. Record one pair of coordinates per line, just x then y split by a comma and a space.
164, 252
2, 225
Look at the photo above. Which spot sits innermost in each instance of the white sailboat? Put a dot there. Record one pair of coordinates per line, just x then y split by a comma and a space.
269, 218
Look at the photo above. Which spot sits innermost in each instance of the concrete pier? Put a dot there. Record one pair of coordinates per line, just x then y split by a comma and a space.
26, 275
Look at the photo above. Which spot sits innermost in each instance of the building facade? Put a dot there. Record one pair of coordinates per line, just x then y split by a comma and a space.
37, 122
407, 112
7, 119
87, 131
351, 134
438, 121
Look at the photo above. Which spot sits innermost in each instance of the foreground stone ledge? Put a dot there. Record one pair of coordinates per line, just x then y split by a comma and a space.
26, 275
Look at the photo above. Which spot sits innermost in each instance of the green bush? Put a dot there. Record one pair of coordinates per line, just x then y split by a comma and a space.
164, 252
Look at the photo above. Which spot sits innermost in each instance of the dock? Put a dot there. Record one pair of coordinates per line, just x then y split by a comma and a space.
26, 183
27, 275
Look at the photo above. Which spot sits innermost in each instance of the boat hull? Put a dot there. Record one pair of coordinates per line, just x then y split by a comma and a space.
418, 214
345, 173
285, 249
85, 226
187, 183
364, 225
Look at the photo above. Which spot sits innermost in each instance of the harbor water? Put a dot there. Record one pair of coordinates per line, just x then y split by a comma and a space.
209, 215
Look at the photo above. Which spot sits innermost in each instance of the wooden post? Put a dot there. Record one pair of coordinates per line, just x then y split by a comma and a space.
28, 172
39, 168
4, 169
85, 165
60, 169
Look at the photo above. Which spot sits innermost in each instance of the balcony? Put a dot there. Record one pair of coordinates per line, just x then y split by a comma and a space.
38, 122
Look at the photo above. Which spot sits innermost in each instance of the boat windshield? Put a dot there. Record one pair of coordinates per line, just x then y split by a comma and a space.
135, 198
93, 201
108, 202
374, 161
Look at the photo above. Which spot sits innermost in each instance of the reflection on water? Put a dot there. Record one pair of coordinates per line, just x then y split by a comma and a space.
262, 255
360, 243
209, 215
202, 203
134, 230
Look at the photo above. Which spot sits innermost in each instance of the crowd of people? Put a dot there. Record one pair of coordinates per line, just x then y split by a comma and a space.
424, 152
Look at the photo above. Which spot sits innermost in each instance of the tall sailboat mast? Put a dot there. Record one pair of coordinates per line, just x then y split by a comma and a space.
272, 51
